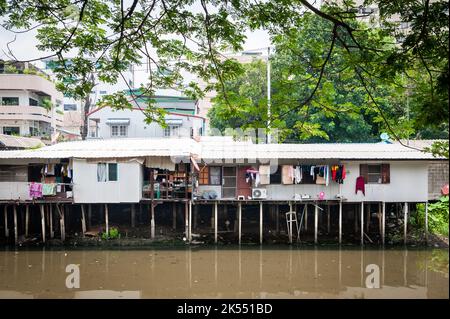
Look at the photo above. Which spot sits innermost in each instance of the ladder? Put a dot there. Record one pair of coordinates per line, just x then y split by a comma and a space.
291, 218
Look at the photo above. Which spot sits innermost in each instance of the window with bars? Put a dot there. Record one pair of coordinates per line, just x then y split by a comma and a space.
119, 130
375, 173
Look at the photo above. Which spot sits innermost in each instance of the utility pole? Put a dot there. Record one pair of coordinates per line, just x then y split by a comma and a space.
268, 96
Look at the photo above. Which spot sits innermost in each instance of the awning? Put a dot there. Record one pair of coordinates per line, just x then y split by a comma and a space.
118, 121
174, 121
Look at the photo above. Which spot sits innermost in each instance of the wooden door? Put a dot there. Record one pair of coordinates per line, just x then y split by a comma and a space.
243, 188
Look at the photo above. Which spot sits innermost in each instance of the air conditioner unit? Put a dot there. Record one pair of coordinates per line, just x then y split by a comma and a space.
259, 193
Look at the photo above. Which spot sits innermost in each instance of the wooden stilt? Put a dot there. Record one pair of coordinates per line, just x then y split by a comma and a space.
426, 222
405, 223
152, 220
260, 222
5, 214
383, 222
42, 221
379, 218
107, 219
240, 221
27, 219
316, 222
190, 220
362, 223
133, 215
174, 216
186, 220
89, 223
50, 213
62, 226
306, 217
83, 221
328, 219
340, 222
355, 214
16, 234
215, 221
277, 218
367, 218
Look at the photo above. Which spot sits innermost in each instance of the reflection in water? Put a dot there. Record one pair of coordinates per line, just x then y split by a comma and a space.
225, 273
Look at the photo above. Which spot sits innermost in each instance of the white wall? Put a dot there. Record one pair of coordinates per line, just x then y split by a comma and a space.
138, 127
127, 189
14, 191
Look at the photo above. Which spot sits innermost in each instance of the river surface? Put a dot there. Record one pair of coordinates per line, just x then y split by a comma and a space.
225, 273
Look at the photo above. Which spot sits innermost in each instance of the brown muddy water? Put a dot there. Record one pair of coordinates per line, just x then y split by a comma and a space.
226, 273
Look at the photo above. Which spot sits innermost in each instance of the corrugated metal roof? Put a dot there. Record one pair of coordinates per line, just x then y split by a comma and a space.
110, 148
218, 148
9, 141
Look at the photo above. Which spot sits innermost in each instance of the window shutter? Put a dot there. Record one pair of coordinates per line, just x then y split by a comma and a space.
364, 172
385, 174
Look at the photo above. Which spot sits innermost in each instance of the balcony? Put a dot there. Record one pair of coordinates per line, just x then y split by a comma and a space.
30, 113
29, 82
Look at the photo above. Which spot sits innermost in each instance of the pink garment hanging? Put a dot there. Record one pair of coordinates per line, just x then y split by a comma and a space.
35, 190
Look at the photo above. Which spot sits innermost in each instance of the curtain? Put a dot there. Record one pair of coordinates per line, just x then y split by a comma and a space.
101, 172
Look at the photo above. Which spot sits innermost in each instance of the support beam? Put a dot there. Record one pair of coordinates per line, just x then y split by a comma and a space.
50, 213
186, 221
260, 222
174, 216
240, 221
306, 217
107, 220
27, 219
383, 222
340, 222
190, 220
405, 223
316, 222
89, 216
83, 221
16, 234
215, 221
152, 220
328, 219
426, 222
41, 206
368, 218
62, 226
362, 223
277, 218
5, 214
133, 215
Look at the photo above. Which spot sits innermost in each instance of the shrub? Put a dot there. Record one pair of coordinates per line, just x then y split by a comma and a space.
113, 234
437, 216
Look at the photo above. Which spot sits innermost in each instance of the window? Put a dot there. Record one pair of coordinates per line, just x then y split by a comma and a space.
210, 175
171, 131
33, 102
375, 173
11, 130
107, 172
34, 131
70, 107
275, 178
10, 101
118, 130
103, 92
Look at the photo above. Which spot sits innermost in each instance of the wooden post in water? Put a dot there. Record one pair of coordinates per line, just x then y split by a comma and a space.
186, 221
328, 218
83, 221
340, 222
383, 222
107, 220
41, 206
89, 216
260, 223
240, 221
405, 223
306, 217
5, 214
62, 226
152, 220
27, 219
50, 213
362, 223
368, 218
16, 234
277, 219
133, 215
190, 220
174, 216
426, 222
215, 221
316, 221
